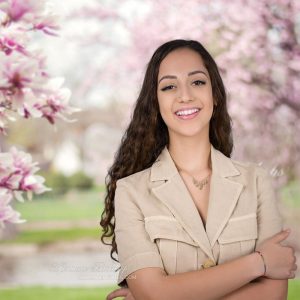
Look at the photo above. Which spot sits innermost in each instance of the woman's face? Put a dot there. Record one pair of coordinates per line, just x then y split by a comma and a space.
184, 87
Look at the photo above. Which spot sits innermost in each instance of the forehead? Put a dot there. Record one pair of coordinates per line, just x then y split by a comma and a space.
181, 60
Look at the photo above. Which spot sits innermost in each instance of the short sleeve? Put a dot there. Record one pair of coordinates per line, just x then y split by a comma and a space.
269, 218
135, 249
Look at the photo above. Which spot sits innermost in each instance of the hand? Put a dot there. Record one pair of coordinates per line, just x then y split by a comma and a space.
121, 292
280, 260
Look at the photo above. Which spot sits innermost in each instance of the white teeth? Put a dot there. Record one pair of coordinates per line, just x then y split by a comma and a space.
186, 112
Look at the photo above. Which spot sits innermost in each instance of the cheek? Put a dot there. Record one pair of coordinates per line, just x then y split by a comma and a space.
165, 108
208, 111
209, 102
166, 115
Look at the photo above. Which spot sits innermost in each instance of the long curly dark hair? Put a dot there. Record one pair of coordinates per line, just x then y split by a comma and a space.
147, 134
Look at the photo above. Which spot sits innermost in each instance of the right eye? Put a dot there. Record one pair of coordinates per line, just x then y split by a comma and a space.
169, 87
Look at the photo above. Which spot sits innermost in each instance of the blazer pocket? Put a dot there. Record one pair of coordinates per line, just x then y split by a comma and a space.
238, 237
173, 242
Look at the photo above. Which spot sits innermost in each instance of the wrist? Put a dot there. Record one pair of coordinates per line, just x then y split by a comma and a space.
263, 260
256, 266
259, 263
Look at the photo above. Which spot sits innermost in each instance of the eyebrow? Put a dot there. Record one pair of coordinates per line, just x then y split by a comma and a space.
189, 74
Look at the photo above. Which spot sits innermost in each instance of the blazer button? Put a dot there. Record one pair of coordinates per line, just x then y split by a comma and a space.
208, 263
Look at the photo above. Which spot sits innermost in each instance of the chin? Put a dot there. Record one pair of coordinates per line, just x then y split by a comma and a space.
189, 132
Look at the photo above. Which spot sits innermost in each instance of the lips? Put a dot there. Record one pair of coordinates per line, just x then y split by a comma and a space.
186, 114
187, 111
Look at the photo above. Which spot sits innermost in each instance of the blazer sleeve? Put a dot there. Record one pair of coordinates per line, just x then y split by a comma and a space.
269, 218
135, 249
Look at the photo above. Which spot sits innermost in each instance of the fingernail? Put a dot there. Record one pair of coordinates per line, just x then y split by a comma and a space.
288, 230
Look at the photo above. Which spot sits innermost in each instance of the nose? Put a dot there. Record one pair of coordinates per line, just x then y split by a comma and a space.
184, 94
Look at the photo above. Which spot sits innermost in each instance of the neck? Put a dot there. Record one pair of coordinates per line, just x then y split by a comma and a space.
191, 156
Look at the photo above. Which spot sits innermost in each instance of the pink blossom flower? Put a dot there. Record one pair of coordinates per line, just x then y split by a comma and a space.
8, 45
53, 102
18, 72
17, 174
26, 89
30, 14
20, 10
47, 24
25, 86
56, 106
29, 106
7, 213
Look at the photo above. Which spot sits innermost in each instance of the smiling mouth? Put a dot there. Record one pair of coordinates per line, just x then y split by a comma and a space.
187, 114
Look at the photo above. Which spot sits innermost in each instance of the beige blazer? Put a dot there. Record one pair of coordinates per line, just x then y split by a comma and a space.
157, 223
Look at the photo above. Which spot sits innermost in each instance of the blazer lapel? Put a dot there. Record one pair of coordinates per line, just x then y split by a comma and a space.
223, 196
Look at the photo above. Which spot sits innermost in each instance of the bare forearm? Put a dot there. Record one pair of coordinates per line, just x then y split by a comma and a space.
211, 283
263, 289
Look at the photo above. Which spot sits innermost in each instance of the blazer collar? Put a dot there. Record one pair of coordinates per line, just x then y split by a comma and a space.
224, 193
221, 165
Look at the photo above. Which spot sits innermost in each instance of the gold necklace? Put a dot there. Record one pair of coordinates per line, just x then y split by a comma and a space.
198, 183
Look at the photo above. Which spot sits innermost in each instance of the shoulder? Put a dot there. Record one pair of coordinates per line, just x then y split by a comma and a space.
259, 177
134, 188
251, 168
140, 178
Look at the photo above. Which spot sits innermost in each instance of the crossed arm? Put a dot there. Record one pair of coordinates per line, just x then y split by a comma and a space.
232, 280
261, 289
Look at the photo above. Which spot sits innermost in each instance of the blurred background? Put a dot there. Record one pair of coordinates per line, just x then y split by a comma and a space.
102, 50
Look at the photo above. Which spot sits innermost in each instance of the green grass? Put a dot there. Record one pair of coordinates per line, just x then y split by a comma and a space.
75, 206
38, 292
48, 236
291, 195
294, 289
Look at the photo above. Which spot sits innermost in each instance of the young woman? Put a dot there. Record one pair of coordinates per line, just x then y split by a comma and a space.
189, 222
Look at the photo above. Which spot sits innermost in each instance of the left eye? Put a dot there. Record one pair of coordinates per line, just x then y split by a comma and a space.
199, 82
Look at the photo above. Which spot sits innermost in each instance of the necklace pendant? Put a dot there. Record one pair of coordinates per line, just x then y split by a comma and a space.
200, 184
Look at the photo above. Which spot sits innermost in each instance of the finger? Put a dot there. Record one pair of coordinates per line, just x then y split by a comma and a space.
117, 293
129, 297
295, 259
292, 275
280, 236
113, 295
120, 292
292, 251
